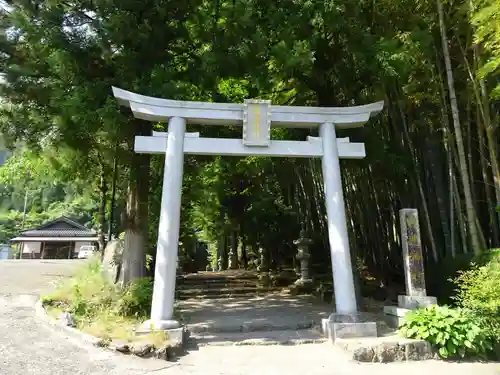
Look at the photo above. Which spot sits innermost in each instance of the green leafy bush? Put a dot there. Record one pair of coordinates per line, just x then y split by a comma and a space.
101, 308
89, 294
478, 290
454, 332
439, 276
86, 294
136, 298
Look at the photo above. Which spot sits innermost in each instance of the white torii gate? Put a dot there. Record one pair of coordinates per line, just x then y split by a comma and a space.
256, 117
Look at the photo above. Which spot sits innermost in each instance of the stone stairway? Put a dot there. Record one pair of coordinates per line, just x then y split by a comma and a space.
225, 284
233, 308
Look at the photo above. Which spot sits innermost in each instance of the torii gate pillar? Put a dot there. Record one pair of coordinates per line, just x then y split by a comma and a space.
162, 307
345, 297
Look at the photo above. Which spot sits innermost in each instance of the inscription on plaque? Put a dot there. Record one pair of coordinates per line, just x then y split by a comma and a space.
256, 123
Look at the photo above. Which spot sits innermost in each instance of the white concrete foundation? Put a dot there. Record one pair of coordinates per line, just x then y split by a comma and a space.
336, 330
416, 302
157, 325
395, 316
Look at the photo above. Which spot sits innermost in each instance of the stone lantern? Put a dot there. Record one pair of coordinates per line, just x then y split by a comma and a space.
263, 268
303, 256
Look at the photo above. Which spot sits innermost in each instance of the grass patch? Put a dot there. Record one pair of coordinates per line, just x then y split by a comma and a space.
53, 311
102, 309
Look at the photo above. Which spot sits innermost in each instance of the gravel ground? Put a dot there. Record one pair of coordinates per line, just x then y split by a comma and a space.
28, 346
34, 277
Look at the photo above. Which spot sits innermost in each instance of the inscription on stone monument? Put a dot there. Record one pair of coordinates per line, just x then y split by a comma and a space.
412, 253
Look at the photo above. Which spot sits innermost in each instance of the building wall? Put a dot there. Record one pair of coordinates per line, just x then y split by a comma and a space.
4, 152
5, 251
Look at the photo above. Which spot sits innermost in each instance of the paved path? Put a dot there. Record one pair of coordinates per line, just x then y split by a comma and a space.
220, 313
27, 346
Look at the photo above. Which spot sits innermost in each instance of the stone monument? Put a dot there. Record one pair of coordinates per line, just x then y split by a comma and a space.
416, 294
112, 260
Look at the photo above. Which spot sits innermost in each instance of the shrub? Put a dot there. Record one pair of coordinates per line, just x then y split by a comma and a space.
454, 332
89, 294
439, 276
136, 297
478, 290
102, 308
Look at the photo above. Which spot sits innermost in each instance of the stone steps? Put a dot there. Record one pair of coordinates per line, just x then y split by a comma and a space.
215, 283
210, 293
229, 274
278, 337
224, 284
256, 326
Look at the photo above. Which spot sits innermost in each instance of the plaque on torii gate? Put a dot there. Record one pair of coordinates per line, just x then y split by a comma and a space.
256, 117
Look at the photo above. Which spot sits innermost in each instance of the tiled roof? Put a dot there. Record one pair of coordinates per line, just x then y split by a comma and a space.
62, 227
58, 233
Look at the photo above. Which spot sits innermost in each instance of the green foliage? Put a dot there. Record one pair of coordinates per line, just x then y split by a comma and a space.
439, 276
454, 332
136, 298
48, 176
89, 296
79, 210
60, 59
486, 18
45, 182
85, 295
478, 290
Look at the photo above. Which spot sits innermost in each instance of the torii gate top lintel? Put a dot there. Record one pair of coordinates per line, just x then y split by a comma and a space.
207, 113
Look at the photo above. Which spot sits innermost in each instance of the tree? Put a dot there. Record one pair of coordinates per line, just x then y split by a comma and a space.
440, 118
60, 61
471, 213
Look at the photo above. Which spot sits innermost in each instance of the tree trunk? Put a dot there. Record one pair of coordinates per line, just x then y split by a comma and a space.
460, 216
113, 199
452, 206
136, 216
233, 252
103, 190
486, 183
434, 159
471, 214
483, 105
244, 256
425, 213
223, 251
